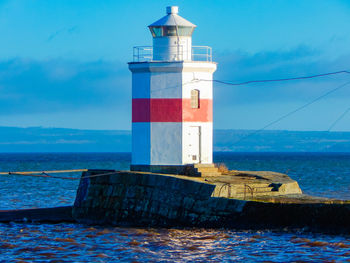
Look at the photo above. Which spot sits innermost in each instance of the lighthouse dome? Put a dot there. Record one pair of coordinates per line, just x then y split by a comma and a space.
172, 25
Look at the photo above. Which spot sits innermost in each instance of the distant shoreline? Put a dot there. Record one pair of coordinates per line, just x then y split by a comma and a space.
38, 139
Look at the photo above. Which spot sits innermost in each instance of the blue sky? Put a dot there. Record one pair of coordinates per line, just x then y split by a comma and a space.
63, 63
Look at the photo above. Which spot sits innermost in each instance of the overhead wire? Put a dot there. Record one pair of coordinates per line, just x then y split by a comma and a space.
292, 112
255, 81
331, 127
273, 80
45, 173
338, 119
279, 80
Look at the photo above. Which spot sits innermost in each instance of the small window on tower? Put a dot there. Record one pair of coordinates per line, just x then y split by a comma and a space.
194, 99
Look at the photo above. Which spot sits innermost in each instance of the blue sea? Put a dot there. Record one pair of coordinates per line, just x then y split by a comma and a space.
321, 174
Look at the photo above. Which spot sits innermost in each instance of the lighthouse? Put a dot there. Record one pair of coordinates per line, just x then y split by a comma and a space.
172, 99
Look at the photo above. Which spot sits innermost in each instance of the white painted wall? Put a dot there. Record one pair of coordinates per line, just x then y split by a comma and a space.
166, 85
172, 48
141, 143
190, 76
189, 80
166, 146
164, 80
141, 85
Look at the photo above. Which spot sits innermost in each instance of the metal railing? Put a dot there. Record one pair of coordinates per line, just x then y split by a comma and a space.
202, 53
198, 53
142, 53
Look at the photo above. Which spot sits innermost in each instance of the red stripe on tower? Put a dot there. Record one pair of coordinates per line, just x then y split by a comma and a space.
202, 114
141, 110
171, 110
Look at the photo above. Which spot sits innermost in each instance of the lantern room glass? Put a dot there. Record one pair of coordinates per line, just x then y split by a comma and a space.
167, 31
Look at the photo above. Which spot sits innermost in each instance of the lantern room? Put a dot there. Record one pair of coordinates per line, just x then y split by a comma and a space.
172, 37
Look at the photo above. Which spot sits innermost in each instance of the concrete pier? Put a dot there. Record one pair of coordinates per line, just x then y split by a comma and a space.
231, 199
148, 199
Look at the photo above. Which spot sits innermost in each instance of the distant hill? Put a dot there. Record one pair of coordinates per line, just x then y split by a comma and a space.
281, 141
38, 139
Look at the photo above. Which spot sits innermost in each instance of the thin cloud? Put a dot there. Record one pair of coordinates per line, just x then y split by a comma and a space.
301, 61
70, 30
60, 85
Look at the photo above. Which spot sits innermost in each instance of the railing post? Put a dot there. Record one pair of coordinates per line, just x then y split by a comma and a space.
145, 53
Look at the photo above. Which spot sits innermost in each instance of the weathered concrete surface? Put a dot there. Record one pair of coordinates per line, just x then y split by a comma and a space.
249, 185
147, 199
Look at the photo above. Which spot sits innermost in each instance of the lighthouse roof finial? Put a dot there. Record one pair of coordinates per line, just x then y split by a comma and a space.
172, 19
172, 10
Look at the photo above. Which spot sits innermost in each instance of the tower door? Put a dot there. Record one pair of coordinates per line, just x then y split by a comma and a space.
194, 144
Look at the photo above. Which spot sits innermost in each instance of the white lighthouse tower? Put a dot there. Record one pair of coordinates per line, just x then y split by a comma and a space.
172, 99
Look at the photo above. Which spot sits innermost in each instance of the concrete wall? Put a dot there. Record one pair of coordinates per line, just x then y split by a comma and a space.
141, 143
161, 97
165, 85
189, 83
126, 198
141, 199
166, 142
141, 79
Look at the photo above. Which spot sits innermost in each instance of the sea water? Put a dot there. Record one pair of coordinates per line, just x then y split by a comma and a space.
321, 174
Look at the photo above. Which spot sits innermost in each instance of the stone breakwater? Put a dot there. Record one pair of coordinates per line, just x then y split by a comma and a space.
130, 198
148, 199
